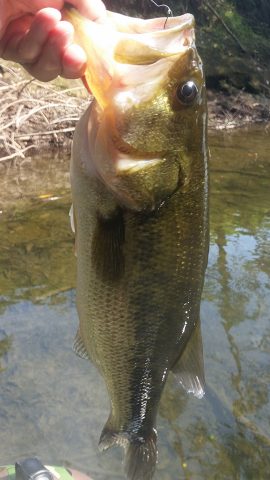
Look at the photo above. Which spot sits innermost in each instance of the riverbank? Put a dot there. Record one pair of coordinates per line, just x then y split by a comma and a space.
236, 109
41, 116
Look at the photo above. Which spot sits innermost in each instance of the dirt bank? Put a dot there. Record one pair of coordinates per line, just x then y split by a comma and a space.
236, 109
37, 115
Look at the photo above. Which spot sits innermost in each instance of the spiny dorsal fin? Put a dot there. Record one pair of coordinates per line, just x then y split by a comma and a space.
79, 347
189, 369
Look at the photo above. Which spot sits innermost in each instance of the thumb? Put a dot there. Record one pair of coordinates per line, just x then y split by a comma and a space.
93, 9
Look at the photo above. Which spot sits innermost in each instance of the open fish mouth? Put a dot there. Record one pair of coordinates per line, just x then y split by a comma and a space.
153, 42
119, 49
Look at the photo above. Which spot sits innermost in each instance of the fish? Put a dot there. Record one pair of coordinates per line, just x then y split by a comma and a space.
139, 181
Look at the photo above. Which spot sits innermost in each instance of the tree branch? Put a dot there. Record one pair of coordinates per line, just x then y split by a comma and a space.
228, 30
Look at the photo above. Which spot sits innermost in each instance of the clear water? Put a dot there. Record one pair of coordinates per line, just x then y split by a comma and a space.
54, 405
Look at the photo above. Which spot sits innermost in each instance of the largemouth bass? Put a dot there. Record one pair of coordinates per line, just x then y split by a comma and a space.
140, 200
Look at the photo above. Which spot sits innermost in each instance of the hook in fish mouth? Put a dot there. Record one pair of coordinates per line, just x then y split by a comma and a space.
168, 10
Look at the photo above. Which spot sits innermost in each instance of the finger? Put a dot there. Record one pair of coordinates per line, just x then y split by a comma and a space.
39, 4
12, 12
31, 45
49, 63
15, 32
73, 62
93, 9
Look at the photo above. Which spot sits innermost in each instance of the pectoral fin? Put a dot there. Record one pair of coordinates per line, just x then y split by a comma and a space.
107, 246
189, 369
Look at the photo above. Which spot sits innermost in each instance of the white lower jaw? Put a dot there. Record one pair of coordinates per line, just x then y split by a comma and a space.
129, 164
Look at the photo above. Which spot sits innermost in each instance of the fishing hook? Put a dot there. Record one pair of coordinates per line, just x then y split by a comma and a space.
168, 10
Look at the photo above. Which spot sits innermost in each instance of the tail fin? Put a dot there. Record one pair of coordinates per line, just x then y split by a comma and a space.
141, 458
140, 452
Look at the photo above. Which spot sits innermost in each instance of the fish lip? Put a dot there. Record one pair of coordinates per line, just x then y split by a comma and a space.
126, 161
179, 22
178, 28
124, 149
128, 164
134, 153
186, 23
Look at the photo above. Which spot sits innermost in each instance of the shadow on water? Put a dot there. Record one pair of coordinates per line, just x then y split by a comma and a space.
57, 413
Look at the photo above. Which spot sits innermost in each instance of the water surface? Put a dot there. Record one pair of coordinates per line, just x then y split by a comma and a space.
54, 405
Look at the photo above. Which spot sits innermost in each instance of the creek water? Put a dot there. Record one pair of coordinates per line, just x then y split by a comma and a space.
54, 405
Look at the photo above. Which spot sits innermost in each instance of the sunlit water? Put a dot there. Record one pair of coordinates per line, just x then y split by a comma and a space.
54, 405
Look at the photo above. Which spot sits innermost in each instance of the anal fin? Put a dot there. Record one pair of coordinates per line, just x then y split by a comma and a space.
79, 347
189, 369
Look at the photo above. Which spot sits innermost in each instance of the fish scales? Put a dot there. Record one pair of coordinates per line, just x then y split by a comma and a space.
140, 198
132, 319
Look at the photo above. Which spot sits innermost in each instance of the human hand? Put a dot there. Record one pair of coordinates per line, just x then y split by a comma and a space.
33, 34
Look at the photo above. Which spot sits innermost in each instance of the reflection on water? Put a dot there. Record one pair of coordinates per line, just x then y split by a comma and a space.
54, 405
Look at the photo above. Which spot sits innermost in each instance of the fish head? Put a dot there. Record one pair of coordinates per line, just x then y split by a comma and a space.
149, 111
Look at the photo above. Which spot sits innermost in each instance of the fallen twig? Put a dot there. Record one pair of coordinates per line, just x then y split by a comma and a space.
17, 153
41, 134
32, 111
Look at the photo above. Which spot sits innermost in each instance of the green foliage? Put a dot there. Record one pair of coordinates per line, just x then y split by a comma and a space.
233, 37
235, 50
253, 40
254, 10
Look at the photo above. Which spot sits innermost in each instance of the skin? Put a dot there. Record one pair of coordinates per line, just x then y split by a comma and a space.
33, 34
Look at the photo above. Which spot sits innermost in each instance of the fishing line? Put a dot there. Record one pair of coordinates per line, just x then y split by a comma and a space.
168, 10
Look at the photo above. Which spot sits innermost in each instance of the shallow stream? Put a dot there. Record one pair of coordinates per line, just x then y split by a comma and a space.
54, 405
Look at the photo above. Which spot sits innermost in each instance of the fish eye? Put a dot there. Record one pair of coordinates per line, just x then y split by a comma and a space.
187, 92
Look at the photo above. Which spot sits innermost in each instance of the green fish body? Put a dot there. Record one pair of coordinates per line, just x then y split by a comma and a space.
140, 200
